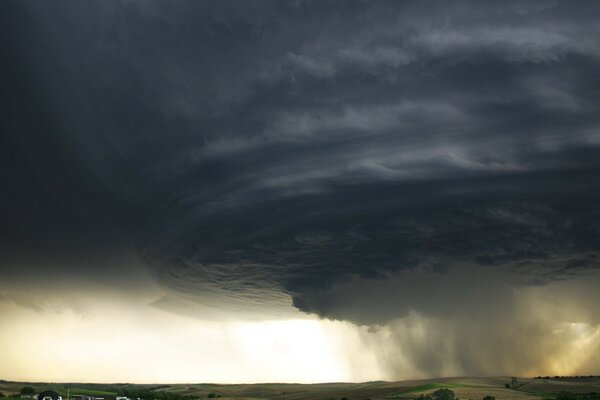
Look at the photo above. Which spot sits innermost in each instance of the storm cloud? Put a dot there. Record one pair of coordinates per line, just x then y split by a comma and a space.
375, 162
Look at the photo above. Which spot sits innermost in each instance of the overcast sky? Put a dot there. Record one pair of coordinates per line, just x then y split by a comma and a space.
419, 180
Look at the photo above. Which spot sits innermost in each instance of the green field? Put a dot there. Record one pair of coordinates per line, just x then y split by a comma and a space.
464, 388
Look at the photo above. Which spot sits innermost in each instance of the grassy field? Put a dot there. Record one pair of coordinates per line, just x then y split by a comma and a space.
464, 388
9, 388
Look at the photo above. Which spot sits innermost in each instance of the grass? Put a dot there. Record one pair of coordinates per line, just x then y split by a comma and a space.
465, 389
432, 386
59, 388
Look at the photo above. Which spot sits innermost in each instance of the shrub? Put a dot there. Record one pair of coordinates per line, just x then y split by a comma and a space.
566, 396
443, 394
28, 390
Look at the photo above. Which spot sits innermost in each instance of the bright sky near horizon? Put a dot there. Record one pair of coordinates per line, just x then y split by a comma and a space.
115, 343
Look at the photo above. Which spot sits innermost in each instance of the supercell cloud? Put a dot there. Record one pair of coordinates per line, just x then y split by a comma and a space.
427, 169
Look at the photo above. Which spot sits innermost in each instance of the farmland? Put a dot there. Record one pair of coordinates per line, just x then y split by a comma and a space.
465, 388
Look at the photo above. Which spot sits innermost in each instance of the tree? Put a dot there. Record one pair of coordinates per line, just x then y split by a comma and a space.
443, 394
489, 398
566, 396
28, 390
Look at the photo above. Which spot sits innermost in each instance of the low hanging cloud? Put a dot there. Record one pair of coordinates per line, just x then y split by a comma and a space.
388, 164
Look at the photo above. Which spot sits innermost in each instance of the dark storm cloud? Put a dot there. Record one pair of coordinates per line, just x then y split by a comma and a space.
252, 152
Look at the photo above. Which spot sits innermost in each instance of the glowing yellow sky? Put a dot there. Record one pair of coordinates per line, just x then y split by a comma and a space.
102, 336
115, 343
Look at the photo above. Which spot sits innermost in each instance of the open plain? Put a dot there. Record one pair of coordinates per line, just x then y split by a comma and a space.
465, 388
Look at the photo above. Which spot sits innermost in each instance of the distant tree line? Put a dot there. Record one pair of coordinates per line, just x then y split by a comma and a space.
578, 396
447, 394
440, 394
568, 377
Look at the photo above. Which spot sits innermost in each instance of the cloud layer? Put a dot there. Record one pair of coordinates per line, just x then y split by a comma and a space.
348, 159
